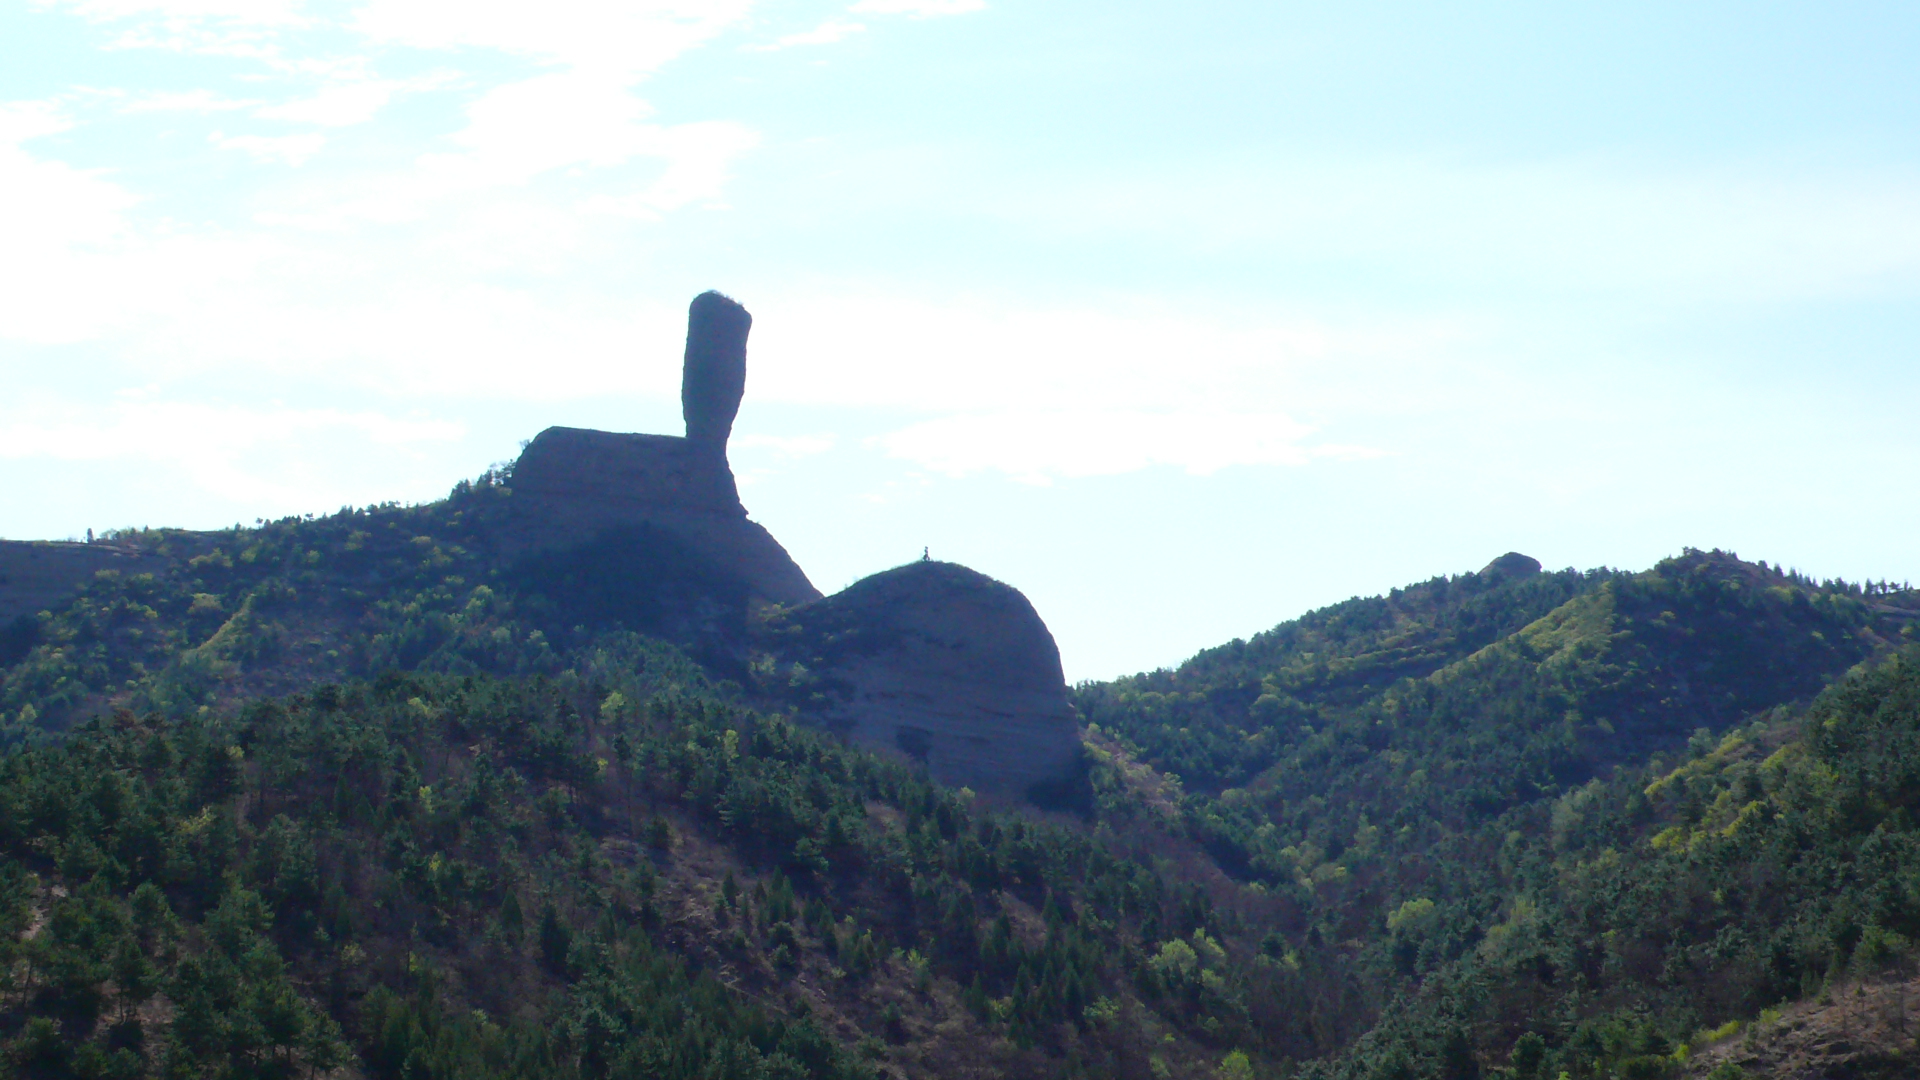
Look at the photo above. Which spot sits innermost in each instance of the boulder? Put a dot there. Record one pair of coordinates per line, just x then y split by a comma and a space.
943, 665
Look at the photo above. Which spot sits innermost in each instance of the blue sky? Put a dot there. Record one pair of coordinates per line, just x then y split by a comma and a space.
1181, 319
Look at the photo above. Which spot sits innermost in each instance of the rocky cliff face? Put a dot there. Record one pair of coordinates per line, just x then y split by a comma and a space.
572, 486
714, 375
930, 660
943, 665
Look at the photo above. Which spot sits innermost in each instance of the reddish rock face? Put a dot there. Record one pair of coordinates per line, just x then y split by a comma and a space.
943, 665
572, 484
605, 471
930, 660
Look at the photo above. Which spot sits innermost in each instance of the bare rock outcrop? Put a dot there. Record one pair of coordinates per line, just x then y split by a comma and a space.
1854, 1031
572, 485
943, 665
714, 375
931, 661
1511, 566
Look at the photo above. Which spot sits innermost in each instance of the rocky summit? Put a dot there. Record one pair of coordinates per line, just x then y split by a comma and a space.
944, 665
948, 667
591, 530
571, 485
1511, 566
932, 662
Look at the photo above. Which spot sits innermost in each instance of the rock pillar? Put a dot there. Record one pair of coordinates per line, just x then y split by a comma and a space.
715, 373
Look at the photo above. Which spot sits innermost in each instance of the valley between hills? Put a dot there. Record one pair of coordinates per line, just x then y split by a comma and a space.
573, 774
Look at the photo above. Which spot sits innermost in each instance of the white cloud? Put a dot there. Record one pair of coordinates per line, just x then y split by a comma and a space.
218, 447
826, 33
891, 351
616, 38
1038, 394
759, 458
24, 120
242, 28
250, 12
286, 149
192, 101
784, 446
79, 266
530, 129
1585, 227
56, 219
180, 431
342, 105
1037, 447
49, 207
699, 160
525, 128
920, 9
299, 315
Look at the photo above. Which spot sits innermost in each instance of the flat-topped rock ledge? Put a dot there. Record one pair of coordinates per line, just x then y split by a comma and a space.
629, 473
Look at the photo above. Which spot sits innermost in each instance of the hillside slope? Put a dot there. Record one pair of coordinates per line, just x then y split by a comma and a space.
1519, 774
364, 793
368, 776
610, 871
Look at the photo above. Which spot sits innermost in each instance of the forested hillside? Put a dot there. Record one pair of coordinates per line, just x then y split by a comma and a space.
611, 871
1599, 812
356, 795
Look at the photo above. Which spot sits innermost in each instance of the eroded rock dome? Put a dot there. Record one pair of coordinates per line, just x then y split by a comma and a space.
944, 665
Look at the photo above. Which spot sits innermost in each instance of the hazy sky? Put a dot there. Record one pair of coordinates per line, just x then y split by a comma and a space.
1181, 318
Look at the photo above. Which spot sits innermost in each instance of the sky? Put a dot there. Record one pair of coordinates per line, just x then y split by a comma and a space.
1183, 319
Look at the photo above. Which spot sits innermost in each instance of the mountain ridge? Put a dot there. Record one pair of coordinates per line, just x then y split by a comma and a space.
1359, 887
551, 779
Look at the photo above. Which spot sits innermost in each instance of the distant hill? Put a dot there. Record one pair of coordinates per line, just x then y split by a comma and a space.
1602, 812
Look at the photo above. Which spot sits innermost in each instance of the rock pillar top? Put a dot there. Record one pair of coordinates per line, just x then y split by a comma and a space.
715, 373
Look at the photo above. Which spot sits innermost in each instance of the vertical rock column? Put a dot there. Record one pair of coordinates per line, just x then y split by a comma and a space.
715, 373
